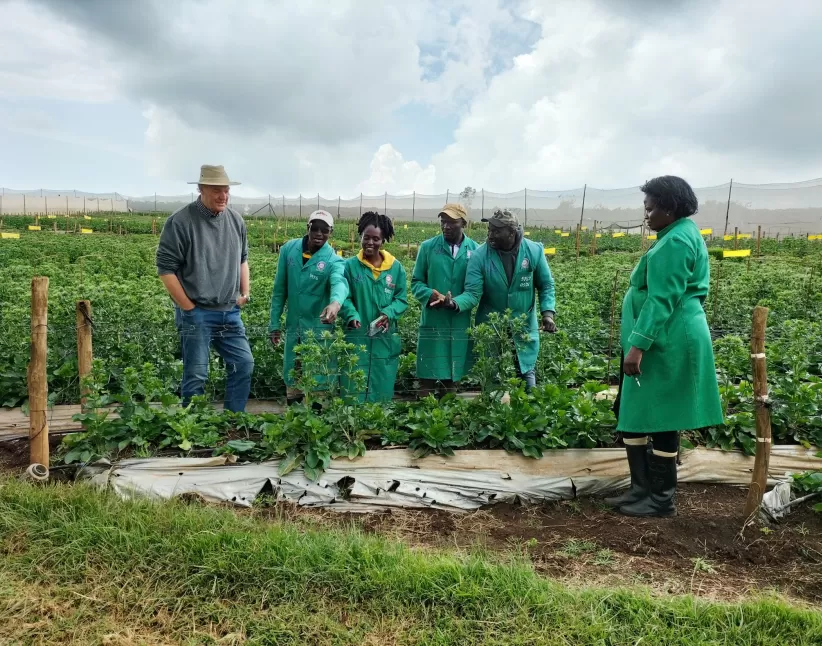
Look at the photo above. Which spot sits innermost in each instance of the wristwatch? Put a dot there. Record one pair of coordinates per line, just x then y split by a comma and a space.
247, 297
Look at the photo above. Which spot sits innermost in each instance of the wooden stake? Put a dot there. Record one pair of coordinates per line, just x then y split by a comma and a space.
736, 237
84, 349
759, 478
594, 240
37, 380
579, 230
758, 239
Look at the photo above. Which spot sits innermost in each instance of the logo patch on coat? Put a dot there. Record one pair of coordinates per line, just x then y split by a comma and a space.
388, 280
320, 266
468, 253
525, 263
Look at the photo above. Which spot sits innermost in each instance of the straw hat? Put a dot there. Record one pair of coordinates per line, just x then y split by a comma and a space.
213, 176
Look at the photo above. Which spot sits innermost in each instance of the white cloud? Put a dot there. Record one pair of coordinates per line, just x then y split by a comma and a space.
391, 173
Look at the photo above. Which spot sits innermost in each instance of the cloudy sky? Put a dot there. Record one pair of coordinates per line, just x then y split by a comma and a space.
369, 96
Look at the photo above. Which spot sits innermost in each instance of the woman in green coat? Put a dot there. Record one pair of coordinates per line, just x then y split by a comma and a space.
310, 278
378, 297
443, 345
669, 376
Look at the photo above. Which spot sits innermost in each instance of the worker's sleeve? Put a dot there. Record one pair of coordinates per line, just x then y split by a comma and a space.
244, 236
171, 249
280, 292
474, 285
348, 311
399, 303
667, 278
339, 285
545, 285
419, 279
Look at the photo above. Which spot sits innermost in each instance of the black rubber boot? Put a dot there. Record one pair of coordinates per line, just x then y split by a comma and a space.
660, 501
638, 465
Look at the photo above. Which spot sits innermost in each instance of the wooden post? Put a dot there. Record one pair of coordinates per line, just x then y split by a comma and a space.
579, 232
728, 207
736, 237
37, 380
84, 351
594, 240
759, 478
758, 239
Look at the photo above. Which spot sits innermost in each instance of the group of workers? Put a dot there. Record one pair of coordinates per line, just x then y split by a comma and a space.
452, 277
202, 261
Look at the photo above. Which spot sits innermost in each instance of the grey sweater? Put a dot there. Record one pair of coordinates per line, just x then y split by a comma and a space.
205, 252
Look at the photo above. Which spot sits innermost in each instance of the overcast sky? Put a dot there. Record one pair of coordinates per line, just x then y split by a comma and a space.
369, 96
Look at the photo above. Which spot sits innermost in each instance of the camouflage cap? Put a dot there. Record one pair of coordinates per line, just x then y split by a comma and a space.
502, 218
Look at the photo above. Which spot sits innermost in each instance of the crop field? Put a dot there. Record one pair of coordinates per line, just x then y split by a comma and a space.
80, 567
137, 352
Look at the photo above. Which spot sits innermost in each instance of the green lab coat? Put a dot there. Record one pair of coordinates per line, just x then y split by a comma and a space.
487, 285
662, 314
308, 288
443, 345
367, 301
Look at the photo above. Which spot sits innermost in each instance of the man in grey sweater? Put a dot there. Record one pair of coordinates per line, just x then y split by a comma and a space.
202, 260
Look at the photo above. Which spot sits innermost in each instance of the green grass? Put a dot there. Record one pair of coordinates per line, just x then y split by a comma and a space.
81, 567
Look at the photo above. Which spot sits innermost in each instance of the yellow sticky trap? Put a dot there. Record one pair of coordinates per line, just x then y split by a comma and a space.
87, 217
404, 226
816, 237
598, 235
34, 227
86, 230
339, 253
565, 235
652, 236
738, 253
558, 231
583, 228
528, 233
618, 235
51, 217
9, 236
550, 251
706, 232
744, 236
728, 237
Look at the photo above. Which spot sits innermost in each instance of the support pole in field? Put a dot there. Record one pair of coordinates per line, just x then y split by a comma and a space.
736, 237
525, 224
482, 205
594, 240
759, 478
414, 206
301, 206
579, 233
318, 201
360, 204
582, 210
758, 239
37, 380
84, 324
728, 207
339, 199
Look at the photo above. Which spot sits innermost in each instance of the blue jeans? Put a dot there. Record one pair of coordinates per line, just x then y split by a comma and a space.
200, 329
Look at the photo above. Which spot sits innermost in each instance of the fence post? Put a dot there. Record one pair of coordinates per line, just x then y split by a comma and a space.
728, 207
758, 239
84, 349
736, 237
525, 223
759, 478
37, 380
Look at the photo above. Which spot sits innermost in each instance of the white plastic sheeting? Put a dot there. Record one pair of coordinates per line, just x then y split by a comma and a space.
393, 478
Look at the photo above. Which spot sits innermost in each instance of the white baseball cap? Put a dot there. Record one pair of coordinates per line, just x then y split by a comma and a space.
322, 216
